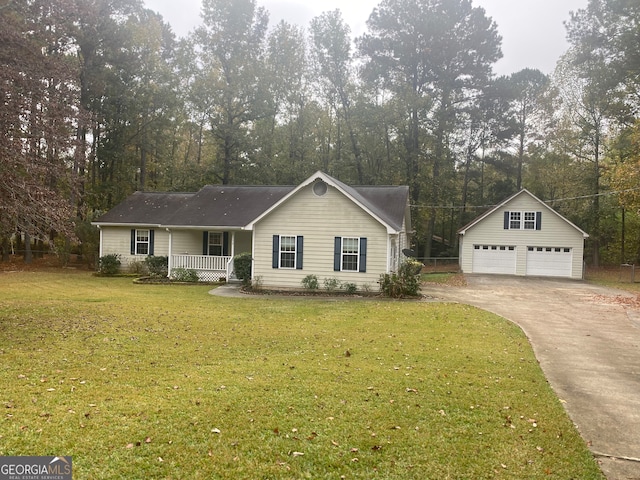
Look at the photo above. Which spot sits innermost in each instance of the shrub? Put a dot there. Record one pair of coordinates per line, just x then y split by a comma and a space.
404, 283
157, 266
310, 282
138, 267
184, 275
109, 264
331, 284
350, 288
242, 267
257, 283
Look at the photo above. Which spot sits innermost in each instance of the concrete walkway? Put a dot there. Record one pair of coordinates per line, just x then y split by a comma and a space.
587, 340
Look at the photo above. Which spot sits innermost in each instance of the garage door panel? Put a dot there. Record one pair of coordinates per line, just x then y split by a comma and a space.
494, 259
549, 261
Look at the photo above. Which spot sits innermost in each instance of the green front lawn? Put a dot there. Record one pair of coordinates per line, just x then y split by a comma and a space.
155, 381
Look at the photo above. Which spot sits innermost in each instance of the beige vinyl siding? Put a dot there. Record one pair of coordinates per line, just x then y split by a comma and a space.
555, 232
319, 220
186, 242
118, 240
189, 242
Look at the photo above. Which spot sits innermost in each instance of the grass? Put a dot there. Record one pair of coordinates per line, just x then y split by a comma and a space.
153, 381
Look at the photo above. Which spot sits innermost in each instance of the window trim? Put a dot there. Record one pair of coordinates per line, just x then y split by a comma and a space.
136, 243
281, 252
339, 254
344, 255
528, 220
210, 236
145, 242
298, 245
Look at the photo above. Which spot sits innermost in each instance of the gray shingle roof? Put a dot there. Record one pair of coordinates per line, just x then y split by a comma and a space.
146, 208
237, 206
387, 202
227, 206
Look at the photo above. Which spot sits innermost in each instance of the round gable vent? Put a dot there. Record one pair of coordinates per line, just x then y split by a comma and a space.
319, 188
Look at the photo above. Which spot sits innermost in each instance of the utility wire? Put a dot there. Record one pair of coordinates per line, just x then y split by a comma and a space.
555, 200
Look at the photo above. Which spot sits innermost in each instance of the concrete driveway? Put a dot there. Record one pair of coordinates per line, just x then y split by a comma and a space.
587, 340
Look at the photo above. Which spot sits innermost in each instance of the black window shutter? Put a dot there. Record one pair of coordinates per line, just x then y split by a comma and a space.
275, 253
205, 243
225, 243
538, 220
362, 267
337, 253
133, 241
506, 220
299, 242
151, 241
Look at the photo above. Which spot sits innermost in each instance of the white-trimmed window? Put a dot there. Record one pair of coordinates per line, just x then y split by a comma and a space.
350, 254
529, 220
142, 242
523, 220
215, 243
287, 251
514, 220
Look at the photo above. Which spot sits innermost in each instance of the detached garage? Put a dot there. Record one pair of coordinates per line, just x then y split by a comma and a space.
522, 236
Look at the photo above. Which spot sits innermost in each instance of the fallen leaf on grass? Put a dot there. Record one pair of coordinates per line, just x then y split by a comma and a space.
297, 454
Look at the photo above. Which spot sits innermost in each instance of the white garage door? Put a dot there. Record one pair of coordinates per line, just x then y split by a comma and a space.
549, 261
494, 259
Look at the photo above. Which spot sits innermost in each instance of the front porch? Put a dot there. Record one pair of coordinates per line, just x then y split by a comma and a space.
210, 268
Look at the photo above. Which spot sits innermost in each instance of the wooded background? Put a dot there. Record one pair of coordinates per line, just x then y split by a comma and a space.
99, 99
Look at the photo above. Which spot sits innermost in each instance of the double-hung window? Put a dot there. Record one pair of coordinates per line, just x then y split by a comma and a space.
141, 241
287, 251
529, 220
215, 243
514, 220
523, 220
350, 254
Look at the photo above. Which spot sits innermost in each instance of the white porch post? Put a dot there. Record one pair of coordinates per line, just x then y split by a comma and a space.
233, 244
169, 263
101, 242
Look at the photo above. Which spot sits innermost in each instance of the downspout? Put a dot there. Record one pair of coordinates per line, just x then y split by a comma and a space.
169, 262
100, 248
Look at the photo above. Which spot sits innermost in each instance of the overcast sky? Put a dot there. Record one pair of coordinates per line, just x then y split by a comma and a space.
533, 34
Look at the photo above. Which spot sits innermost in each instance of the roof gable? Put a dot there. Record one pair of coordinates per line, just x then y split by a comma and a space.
510, 200
386, 204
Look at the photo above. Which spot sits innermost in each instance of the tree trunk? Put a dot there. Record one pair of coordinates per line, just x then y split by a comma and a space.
28, 254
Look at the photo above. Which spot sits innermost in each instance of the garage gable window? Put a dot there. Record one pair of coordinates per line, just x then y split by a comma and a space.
523, 220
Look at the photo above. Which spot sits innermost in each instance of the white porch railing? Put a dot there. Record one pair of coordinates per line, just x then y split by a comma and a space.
209, 268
